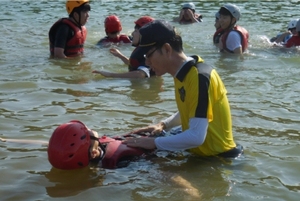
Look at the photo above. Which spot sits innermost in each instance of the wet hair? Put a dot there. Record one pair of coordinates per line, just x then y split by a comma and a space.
175, 42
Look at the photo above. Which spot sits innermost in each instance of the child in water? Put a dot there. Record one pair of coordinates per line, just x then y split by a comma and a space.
282, 38
73, 145
188, 14
113, 27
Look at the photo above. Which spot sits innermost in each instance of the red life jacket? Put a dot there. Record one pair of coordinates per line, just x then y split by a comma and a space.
293, 41
75, 45
244, 36
116, 151
122, 38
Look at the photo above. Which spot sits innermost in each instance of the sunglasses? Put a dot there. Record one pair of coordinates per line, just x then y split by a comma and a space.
147, 56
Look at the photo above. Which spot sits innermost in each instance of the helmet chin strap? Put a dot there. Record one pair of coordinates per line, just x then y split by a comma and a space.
78, 22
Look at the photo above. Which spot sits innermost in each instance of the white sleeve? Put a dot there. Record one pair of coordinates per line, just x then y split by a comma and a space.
190, 138
172, 121
233, 40
145, 70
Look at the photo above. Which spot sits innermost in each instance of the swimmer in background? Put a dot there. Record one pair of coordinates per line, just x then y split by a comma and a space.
282, 38
113, 28
295, 39
188, 14
234, 38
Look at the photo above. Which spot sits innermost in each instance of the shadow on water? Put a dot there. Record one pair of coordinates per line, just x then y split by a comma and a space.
72, 182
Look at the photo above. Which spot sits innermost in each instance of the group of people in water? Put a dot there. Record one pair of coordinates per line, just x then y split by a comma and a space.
203, 108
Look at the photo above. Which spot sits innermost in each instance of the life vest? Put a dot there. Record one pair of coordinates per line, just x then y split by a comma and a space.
122, 38
115, 152
244, 36
217, 36
293, 41
75, 45
136, 60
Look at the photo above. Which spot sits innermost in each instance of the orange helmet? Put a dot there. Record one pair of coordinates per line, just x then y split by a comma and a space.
143, 20
71, 4
112, 24
69, 146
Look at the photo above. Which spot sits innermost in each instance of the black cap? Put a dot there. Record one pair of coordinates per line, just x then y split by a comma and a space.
155, 33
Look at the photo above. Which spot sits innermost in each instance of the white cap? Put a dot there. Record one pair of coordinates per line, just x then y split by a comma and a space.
189, 6
298, 26
292, 23
233, 9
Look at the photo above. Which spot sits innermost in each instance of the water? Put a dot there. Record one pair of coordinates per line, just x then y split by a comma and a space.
37, 94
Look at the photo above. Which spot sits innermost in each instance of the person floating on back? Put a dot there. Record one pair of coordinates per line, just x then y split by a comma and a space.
67, 35
188, 14
234, 38
73, 145
113, 27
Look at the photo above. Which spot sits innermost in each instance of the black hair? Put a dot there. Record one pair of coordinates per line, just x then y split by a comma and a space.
175, 42
84, 7
137, 26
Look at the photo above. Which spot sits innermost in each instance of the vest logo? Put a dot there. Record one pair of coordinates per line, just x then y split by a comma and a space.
182, 93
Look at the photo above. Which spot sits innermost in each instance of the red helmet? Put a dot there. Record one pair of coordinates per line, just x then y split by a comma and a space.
112, 24
69, 146
143, 20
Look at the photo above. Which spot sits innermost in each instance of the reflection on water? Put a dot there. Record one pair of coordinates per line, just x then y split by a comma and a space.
70, 183
38, 93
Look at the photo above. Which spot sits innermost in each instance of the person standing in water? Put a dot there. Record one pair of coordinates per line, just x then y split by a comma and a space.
67, 35
234, 38
113, 28
188, 14
203, 107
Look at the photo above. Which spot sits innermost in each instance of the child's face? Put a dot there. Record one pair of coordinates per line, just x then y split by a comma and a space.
226, 21
113, 35
217, 24
135, 37
187, 13
94, 151
294, 31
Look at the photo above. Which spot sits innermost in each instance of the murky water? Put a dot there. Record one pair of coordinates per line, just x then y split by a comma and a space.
37, 94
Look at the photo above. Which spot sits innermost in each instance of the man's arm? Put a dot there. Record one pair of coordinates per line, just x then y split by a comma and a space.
131, 74
190, 138
61, 39
118, 54
59, 53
